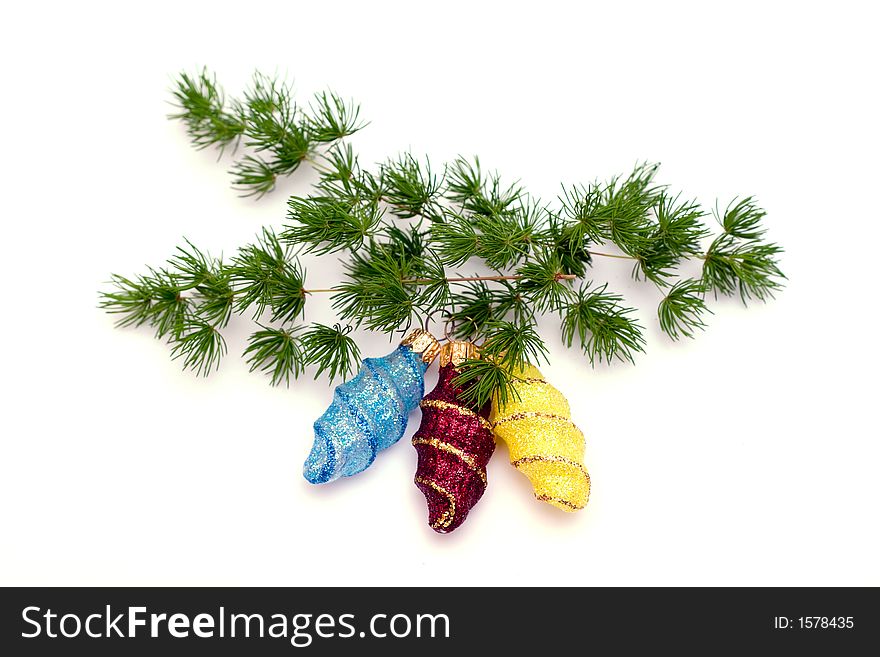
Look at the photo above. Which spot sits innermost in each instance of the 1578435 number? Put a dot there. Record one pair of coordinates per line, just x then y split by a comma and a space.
825, 622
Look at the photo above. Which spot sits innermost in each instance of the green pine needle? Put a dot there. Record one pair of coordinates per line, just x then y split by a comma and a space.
743, 219
324, 224
200, 345
331, 349
168, 308
477, 193
202, 108
477, 306
275, 351
132, 300
482, 380
253, 176
681, 310
211, 281
749, 268
603, 327
542, 284
332, 118
264, 275
513, 345
411, 189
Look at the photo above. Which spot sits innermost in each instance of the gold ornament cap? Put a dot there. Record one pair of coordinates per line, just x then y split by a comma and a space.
422, 342
457, 352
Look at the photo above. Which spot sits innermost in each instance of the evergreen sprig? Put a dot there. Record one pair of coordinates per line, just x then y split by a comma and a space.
374, 293
616, 211
477, 306
276, 351
265, 275
332, 349
280, 135
325, 224
543, 283
681, 310
749, 268
202, 107
209, 278
673, 233
332, 118
604, 328
509, 348
200, 345
284, 352
411, 188
738, 260
477, 193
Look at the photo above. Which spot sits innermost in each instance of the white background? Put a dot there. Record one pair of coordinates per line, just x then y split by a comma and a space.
746, 456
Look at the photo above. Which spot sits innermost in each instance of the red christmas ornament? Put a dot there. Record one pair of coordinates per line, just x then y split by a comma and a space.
454, 443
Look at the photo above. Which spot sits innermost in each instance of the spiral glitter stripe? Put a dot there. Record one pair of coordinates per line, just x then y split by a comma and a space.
441, 522
535, 414
538, 458
455, 451
454, 443
559, 502
544, 443
436, 403
369, 413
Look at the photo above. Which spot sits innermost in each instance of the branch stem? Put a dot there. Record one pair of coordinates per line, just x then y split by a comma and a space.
612, 255
454, 279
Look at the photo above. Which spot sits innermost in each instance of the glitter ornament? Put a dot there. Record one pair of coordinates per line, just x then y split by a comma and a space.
454, 443
545, 445
370, 412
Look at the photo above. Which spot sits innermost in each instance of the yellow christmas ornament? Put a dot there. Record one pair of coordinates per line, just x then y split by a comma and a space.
544, 444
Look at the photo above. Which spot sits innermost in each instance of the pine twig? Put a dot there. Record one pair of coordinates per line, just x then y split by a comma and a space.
403, 227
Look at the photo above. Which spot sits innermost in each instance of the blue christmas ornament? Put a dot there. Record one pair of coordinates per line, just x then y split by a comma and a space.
370, 412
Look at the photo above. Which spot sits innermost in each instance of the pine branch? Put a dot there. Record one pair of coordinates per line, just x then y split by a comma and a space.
514, 345
501, 241
280, 135
675, 235
253, 176
482, 380
569, 246
274, 127
343, 178
285, 352
742, 219
211, 281
616, 211
154, 299
374, 294
400, 273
